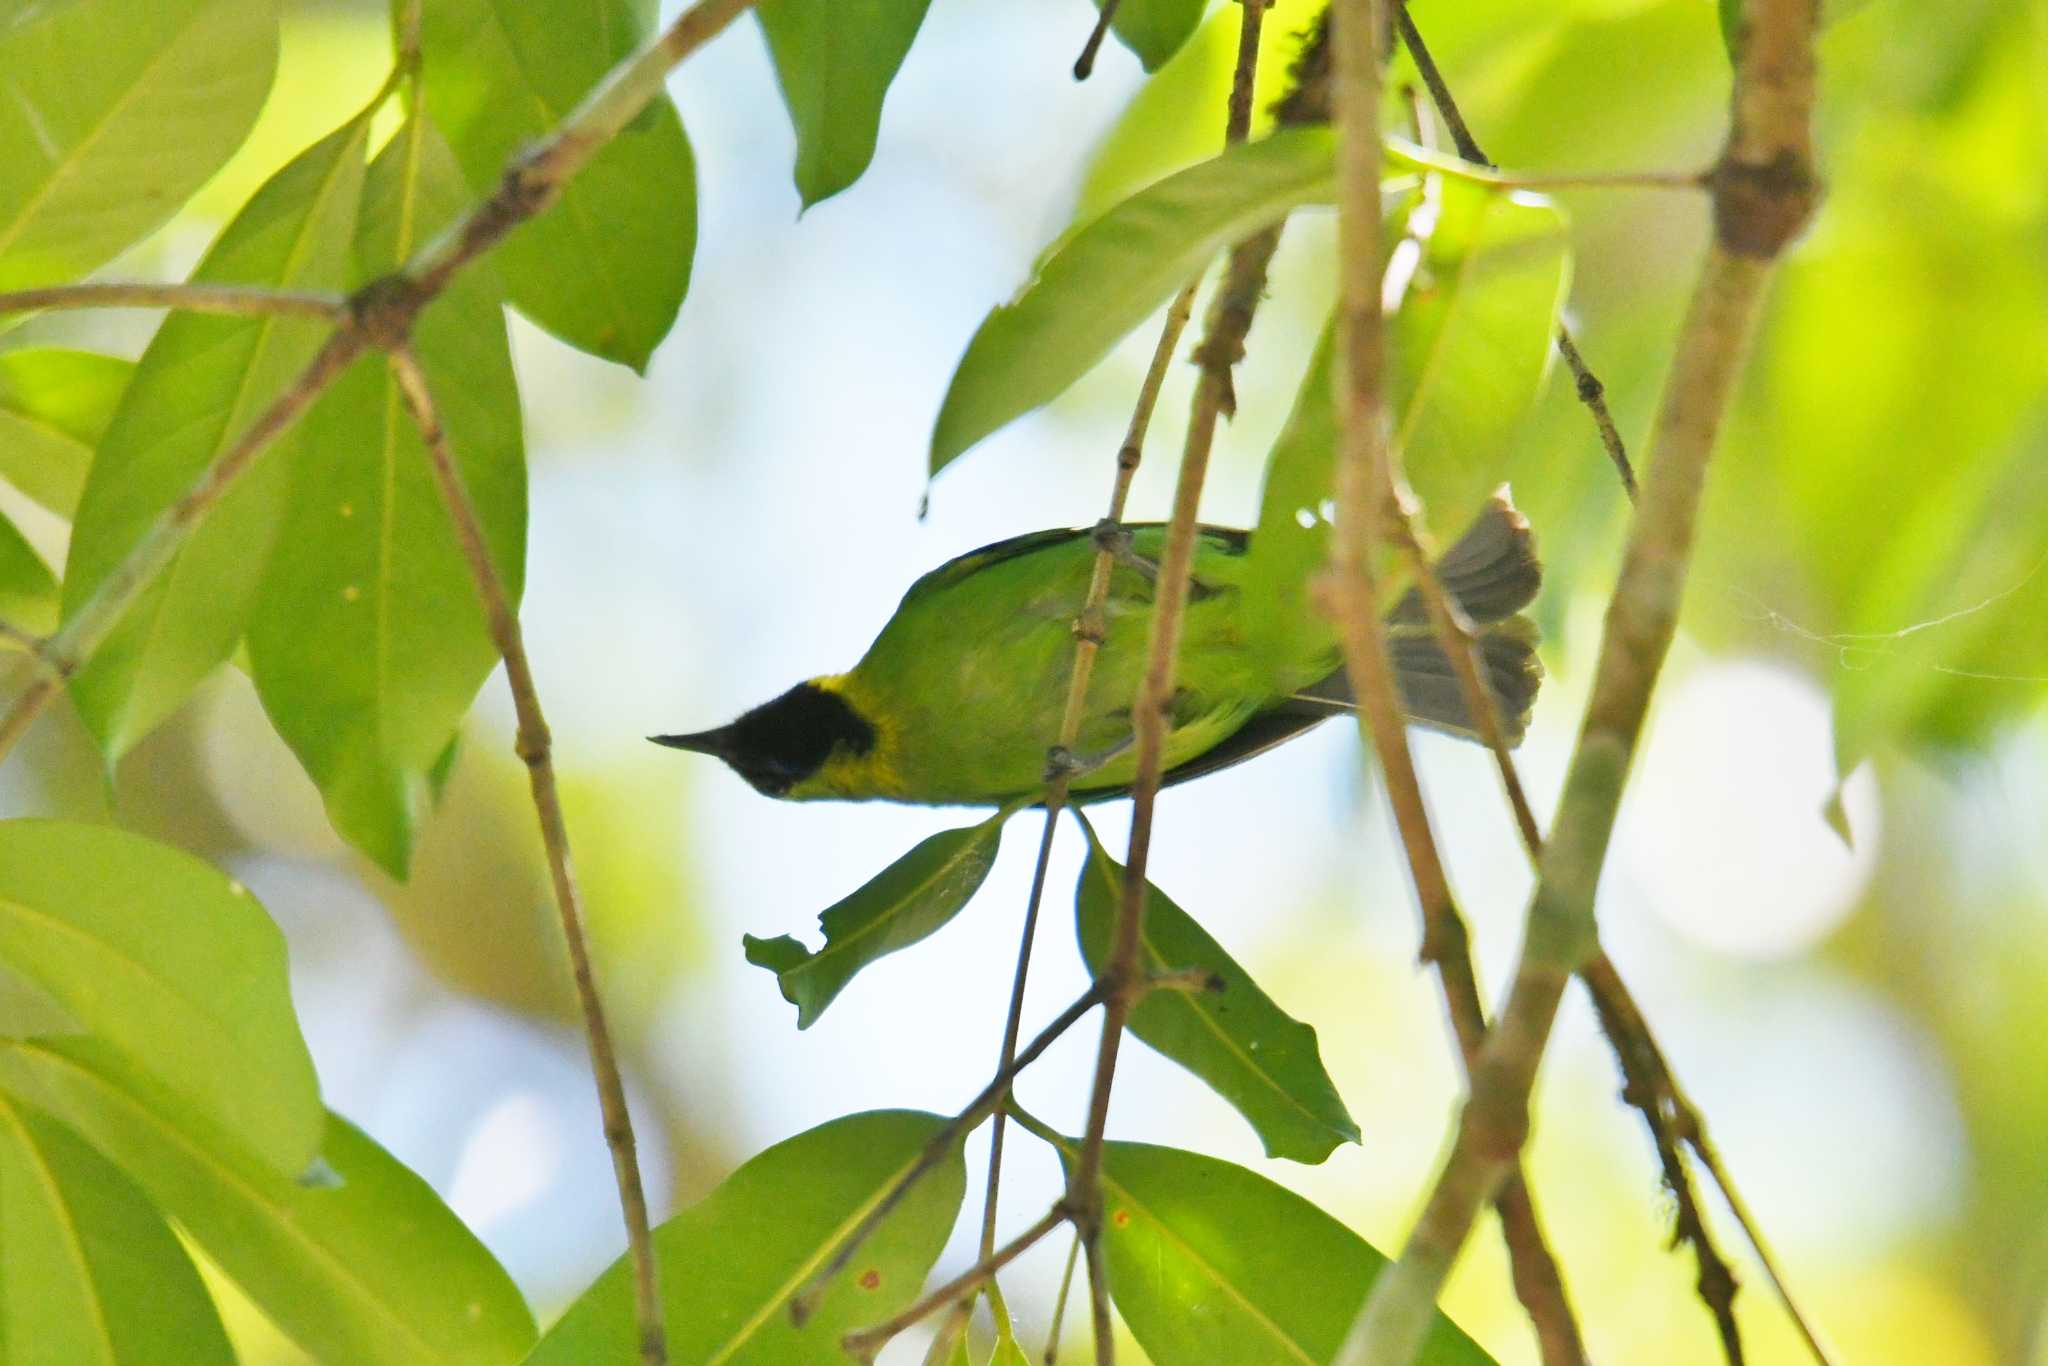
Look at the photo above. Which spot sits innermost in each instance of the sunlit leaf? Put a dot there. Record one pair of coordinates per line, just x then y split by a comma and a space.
1110, 276
834, 60
112, 114
1209, 1262
732, 1262
604, 269
54, 406
367, 642
170, 963
1249, 1051
28, 590
365, 1265
94, 1277
913, 897
1467, 350
1155, 29
202, 381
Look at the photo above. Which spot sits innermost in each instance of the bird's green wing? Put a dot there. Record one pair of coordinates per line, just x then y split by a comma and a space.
962, 567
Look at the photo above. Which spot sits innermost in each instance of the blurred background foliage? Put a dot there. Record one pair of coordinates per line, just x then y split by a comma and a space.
1865, 1023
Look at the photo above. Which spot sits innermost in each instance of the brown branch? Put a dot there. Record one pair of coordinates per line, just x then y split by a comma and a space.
1051, 1355
241, 301
1764, 192
1084, 65
381, 315
865, 1344
1591, 391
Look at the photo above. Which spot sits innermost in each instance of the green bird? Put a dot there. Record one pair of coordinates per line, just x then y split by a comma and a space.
959, 698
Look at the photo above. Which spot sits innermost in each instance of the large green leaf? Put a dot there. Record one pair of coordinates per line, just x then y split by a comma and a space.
604, 269
834, 60
94, 1277
202, 381
170, 963
1155, 29
369, 1267
28, 590
912, 898
367, 642
1468, 346
1109, 277
1209, 1263
54, 407
111, 114
1252, 1053
731, 1263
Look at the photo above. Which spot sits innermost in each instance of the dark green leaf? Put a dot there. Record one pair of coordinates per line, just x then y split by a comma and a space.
1155, 29
54, 406
28, 590
367, 642
94, 1277
170, 963
733, 1261
370, 1267
202, 381
1210, 1263
116, 111
910, 899
834, 60
1109, 277
1249, 1051
604, 269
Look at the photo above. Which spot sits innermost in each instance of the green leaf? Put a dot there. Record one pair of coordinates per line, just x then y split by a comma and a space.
115, 112
367, 641
732, 1262
54, 406
1110, 276
1253, 1054
606, 268
169, 963
1155, 29
1209, 1262
912, 898
94, 1276
1468, 348
1009, 1352
202, 381
367, 1266
28, 590
834, 60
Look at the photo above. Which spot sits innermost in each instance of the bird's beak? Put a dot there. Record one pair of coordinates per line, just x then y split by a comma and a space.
717, 743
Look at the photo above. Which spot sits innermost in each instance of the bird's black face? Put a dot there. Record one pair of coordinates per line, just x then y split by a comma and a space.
781, 743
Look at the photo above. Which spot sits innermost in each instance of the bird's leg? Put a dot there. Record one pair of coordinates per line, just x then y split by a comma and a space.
1113, 536
1063, 762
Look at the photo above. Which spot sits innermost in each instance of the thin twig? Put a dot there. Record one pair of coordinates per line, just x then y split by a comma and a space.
1364, 492
863, 1345
936, 1148
36, 647
535, 749
1591, 391
241, 301
1151, 711
1051, 1354
1764, 192
1084, 65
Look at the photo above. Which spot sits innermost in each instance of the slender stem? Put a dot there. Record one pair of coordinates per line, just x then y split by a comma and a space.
1403, 152
241, 301
1084, 65
935, 1149
863, 1345
534, 747
1591, 391
1764, 192
1051, 1354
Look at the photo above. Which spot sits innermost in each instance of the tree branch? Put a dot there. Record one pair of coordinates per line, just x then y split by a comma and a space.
242, 301
863, 1345
1764, 191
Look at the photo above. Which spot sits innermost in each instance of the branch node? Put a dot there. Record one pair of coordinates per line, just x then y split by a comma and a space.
384, 309
1760, 207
